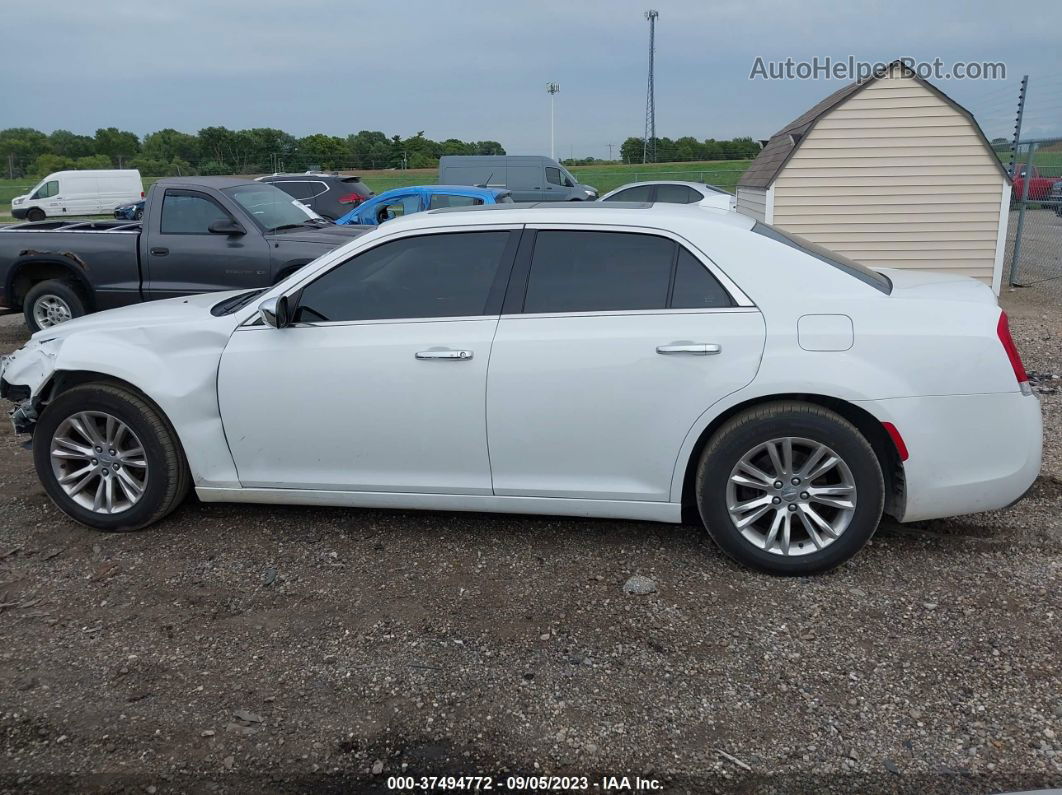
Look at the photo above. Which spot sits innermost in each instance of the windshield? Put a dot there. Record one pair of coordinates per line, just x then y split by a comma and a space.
876, 280
270, 207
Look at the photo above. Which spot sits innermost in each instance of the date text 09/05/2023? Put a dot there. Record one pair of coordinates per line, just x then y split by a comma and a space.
523, 783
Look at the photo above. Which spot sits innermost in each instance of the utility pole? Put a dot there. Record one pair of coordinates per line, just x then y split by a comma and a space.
1015, 172
1017, 123
552, 89
649, 145
610, 151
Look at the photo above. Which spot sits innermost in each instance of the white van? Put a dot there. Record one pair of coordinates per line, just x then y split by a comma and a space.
79, 193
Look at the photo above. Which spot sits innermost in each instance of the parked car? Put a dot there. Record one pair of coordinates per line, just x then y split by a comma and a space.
73, 193
1056, 198
328, 195
199, 234
672, 192
417, 198
130, 212
530, 178
607, 361
1040, 187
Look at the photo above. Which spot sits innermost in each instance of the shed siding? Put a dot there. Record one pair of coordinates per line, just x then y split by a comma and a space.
752, 202
895, 177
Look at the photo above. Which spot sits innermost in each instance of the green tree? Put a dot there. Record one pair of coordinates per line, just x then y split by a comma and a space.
20, 147
167, 144
326, 151
631, 150
93, 162
47, 163
119, 145
68, 144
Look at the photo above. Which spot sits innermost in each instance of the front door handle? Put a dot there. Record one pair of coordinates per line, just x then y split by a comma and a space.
159, 252
690, 348
457, 356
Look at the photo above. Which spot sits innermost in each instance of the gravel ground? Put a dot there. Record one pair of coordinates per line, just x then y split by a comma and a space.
246, 648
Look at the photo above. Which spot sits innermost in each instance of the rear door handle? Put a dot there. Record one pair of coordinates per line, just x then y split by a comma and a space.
457, 356
690, 348
159, 252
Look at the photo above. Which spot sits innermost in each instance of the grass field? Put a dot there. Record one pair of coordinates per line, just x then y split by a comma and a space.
604, 177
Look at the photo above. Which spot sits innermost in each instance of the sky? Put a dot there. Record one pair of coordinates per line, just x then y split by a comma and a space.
478, 71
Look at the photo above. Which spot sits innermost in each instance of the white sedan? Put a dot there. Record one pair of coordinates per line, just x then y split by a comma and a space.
597, 360
673, 192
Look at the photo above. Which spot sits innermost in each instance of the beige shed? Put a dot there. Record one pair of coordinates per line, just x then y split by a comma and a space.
891, 172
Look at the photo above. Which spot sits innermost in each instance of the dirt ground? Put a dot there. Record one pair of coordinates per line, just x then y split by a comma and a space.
245, 648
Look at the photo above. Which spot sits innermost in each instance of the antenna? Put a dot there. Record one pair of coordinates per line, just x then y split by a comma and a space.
649, 144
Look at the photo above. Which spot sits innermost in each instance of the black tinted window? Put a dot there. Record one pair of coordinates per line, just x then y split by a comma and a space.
695, 287
446, 275
598, 271
189, 214
677, 194
639, 193
300, 190
447, 200
842, 263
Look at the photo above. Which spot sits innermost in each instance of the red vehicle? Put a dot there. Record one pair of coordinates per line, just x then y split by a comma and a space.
1039, 187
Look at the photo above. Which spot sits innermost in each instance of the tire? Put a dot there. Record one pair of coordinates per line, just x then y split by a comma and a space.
808, 427
50, 303
35, 214
165, 480
138, 215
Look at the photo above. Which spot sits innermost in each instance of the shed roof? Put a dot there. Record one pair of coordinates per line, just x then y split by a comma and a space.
784, 143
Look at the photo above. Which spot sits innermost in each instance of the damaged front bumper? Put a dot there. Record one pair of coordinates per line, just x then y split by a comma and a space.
22, 375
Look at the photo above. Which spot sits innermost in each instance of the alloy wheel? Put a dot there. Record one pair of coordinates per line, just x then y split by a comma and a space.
791, 496
99, 462
51, 310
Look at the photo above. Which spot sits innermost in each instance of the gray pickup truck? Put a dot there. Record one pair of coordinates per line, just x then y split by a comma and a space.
198, 234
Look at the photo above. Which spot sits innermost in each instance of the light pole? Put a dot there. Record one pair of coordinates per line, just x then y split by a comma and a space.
551, 89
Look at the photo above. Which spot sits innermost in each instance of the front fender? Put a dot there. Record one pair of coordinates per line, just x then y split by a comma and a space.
184, 386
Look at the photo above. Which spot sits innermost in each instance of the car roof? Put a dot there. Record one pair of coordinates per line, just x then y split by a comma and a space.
204, 182
455, 190
660, 215
688, 184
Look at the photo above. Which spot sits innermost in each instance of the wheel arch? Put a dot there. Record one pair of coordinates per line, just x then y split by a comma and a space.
865, 422
290, 267
32, 269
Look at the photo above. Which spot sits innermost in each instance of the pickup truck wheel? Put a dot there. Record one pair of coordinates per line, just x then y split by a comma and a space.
35, 214
108, 458
50, 303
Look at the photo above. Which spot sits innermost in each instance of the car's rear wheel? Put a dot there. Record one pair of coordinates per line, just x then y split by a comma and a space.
790, 488
108, 458
50, 303
35, 214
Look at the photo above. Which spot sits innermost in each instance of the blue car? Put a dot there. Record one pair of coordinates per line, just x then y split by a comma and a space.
406, 201
130, 212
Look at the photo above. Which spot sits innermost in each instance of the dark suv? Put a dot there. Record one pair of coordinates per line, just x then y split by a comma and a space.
328, 195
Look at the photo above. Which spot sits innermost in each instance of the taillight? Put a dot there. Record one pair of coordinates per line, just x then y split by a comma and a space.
1003, 332
352, 198
141, 194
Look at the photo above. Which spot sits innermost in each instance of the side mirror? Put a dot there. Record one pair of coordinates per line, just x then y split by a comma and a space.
274, 312
226, 228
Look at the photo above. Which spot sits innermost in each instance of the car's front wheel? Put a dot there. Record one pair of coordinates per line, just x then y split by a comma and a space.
790, 488
108, 458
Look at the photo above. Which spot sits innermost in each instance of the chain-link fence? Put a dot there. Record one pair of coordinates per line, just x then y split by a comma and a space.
1034, 233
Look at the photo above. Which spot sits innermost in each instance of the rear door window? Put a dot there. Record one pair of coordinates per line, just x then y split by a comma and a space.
695, 286
677, 194
439, 200
639, 193
575, 271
